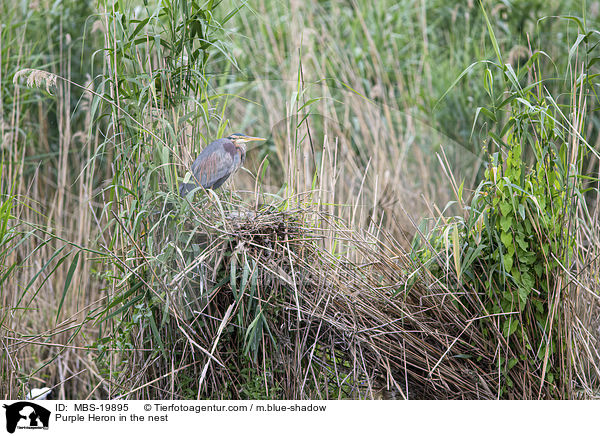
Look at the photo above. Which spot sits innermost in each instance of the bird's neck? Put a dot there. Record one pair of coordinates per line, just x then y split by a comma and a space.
242, 151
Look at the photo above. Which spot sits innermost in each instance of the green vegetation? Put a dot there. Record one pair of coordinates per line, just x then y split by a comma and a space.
516, 242
370, 248
516, 245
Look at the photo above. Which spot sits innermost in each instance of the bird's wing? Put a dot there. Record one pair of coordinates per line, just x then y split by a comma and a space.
214, 164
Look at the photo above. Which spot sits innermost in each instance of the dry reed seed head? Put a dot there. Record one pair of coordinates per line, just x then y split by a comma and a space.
88, 96
376, 91
7, 133
80, 136
516, 53
7, 139
594, 10
37, 78
98, 26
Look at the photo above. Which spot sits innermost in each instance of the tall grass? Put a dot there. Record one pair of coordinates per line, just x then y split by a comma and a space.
301, 279
514, 249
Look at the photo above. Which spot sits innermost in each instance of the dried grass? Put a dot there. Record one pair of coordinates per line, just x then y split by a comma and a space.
37, 78
346, 312
338, 326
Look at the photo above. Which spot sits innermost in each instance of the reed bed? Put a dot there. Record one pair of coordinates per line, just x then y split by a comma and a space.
305, 276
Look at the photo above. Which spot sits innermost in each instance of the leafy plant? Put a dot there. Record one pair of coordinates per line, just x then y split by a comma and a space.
515, 246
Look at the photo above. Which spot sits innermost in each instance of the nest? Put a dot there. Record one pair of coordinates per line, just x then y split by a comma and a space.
294, 305
263, 295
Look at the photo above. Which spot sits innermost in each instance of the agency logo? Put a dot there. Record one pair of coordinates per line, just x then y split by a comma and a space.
26, 415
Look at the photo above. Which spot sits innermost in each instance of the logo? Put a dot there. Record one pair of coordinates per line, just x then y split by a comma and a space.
26, 415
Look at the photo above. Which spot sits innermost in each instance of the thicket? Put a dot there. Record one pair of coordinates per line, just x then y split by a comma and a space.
310, 275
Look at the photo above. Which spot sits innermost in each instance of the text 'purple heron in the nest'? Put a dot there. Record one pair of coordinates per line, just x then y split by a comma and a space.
219, 160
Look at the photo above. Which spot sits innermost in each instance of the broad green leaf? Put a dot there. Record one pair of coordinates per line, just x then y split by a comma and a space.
523, 295
508, 262
505, 208
506, 239
506, 223
509, 327
528, 281
522, 242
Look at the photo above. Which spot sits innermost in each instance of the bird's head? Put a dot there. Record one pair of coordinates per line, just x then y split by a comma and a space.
238, 139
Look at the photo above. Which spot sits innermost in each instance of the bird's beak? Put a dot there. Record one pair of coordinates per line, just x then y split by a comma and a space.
252, 138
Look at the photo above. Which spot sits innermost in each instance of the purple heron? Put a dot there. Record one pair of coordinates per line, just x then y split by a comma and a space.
219, 160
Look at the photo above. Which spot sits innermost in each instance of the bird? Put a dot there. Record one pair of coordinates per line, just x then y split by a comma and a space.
219, 160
